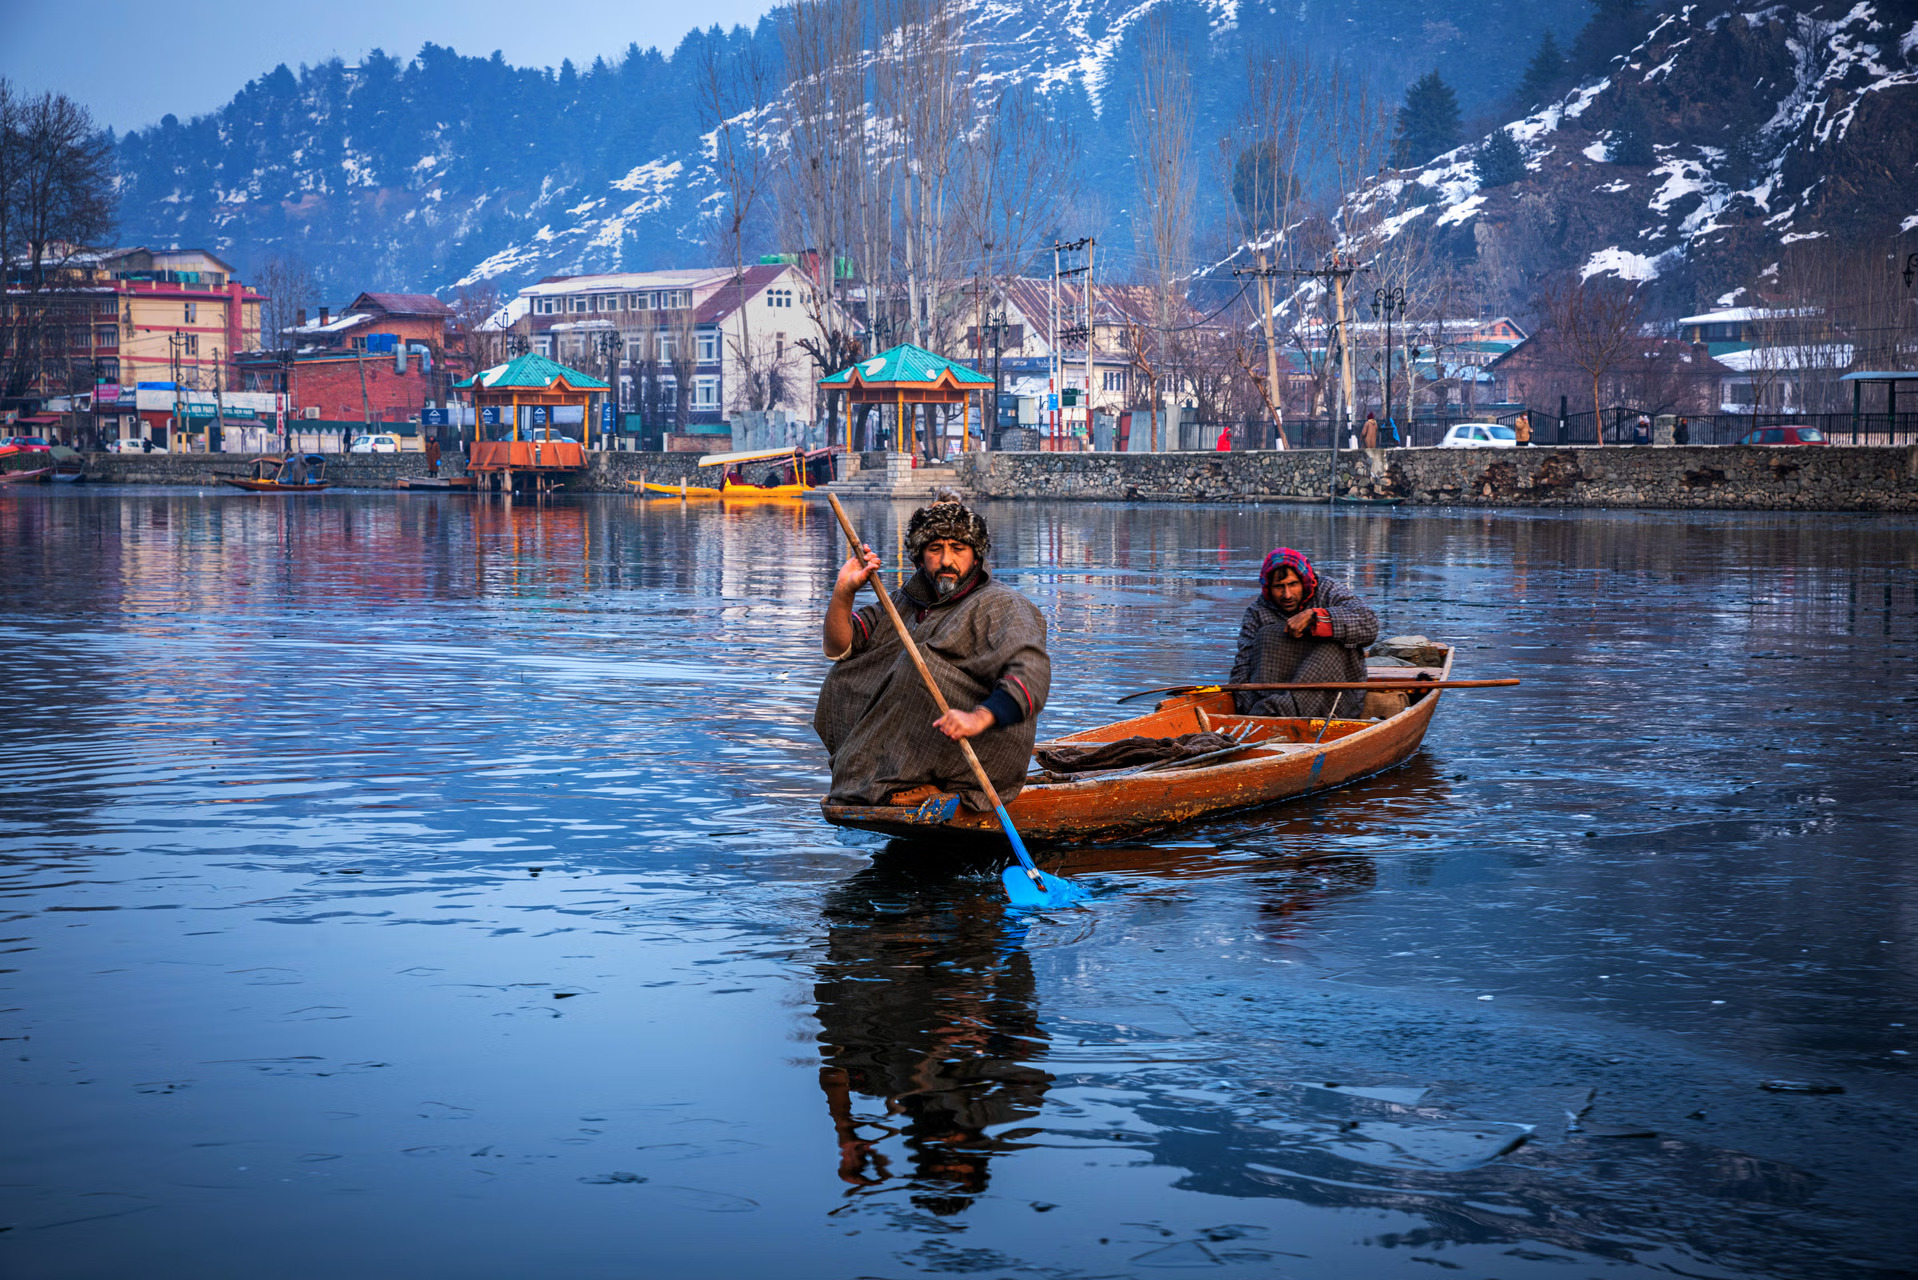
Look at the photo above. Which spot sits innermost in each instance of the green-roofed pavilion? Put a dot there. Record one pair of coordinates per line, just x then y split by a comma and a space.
523, 395
906, 375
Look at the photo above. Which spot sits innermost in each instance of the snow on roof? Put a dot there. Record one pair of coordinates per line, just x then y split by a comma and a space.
507, 316
339, 324
1736, 315
1818, 355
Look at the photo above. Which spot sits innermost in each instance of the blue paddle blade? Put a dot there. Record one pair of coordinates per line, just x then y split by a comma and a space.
1050, 892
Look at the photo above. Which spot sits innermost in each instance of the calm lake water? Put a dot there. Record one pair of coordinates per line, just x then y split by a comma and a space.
405, 885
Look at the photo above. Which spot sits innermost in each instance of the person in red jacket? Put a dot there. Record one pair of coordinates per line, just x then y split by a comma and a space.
1225, 440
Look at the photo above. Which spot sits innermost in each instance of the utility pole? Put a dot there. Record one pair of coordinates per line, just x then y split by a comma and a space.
176, 344
1052, 354
1091, 329
1057, 365
1340, 270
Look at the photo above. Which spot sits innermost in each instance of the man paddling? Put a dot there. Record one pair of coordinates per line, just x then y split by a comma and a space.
984, 643
1302, 629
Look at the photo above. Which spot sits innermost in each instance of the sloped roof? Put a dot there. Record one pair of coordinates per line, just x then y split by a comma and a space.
724, 300
906, 365
403, 304
534, 372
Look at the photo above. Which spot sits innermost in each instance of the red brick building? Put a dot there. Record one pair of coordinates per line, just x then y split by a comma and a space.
385, 357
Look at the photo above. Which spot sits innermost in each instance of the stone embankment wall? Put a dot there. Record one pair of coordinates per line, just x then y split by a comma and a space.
605, 472
1806, 477
1810, 478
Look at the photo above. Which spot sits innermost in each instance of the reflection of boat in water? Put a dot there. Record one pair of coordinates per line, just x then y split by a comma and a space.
289, 473
799, 473
39, 475
929, 1029
1282, 757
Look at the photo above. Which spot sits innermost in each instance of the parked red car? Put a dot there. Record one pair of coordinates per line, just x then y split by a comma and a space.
25, 444
1785, 435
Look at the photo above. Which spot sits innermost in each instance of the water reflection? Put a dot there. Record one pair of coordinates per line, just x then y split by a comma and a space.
929, 1029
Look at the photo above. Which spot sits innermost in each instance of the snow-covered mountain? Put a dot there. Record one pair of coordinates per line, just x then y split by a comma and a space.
1766, 127
417, 174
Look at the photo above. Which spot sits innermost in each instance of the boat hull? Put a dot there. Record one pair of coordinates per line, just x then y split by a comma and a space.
731, 493
38, 476
273, 486
1283, 762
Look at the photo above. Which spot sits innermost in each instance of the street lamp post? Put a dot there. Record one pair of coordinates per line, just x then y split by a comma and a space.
1387, 302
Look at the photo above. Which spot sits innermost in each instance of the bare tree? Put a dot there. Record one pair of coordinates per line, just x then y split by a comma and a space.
684, 361
56, 203
1162, 134
1265, 158
288, 287
1594, 322
735, 89
478, 325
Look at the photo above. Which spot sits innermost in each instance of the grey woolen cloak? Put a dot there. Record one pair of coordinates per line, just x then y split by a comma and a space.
1267, 655
874, 713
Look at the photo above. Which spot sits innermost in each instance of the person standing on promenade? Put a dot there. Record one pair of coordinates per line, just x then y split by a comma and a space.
1304, 629
1369, 433
1225, 440
1522, 428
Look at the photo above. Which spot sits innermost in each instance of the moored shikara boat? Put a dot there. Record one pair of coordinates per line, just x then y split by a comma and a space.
39, 475
1282, 758
796, 461
293, 473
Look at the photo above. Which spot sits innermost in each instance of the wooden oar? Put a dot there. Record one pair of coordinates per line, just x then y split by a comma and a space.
1026, 885
1317, 685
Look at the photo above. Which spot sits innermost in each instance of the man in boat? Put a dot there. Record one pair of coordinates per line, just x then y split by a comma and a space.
984, 643
1302, 629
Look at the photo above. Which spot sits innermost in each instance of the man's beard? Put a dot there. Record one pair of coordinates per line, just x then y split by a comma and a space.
945, 582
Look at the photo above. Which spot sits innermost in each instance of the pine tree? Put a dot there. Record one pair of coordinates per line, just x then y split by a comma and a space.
1631, 137
1544, 73
1428, 122
1500, 162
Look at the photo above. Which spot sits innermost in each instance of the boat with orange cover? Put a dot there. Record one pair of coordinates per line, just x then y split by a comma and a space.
1278, 758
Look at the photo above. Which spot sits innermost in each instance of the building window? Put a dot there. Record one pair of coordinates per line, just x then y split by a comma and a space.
779, 346
669, 390
668, 345
708, 348
1113, 380
609, 302
542, 306
632, 301
779, 297
106, 336
579, 304
543, 345
706, 393
192, 309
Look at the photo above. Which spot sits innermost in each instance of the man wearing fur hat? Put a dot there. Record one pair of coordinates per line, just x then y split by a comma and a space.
1302, 629
984, 643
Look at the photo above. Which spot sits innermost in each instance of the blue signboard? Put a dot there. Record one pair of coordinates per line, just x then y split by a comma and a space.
606, 415
490, 415
1052, 401
435, 418
539, 415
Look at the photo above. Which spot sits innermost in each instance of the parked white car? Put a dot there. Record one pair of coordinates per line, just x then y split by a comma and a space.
374, 444
1480, 435
134, 446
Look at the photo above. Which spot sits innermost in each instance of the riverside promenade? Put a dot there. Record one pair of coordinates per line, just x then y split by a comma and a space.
1722, 477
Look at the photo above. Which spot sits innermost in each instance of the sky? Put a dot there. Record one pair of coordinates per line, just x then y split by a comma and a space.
140, 61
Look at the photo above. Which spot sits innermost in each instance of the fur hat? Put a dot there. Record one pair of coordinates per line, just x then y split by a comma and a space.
947, 517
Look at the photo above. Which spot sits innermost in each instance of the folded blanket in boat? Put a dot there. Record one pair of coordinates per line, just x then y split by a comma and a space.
1083, 757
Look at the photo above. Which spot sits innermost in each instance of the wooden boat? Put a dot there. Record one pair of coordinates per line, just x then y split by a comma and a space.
1284, 758
457, 483
796, 461
266, 473
39, 475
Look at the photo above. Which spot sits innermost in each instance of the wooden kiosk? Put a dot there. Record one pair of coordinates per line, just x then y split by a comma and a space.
517, 389
907, 375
